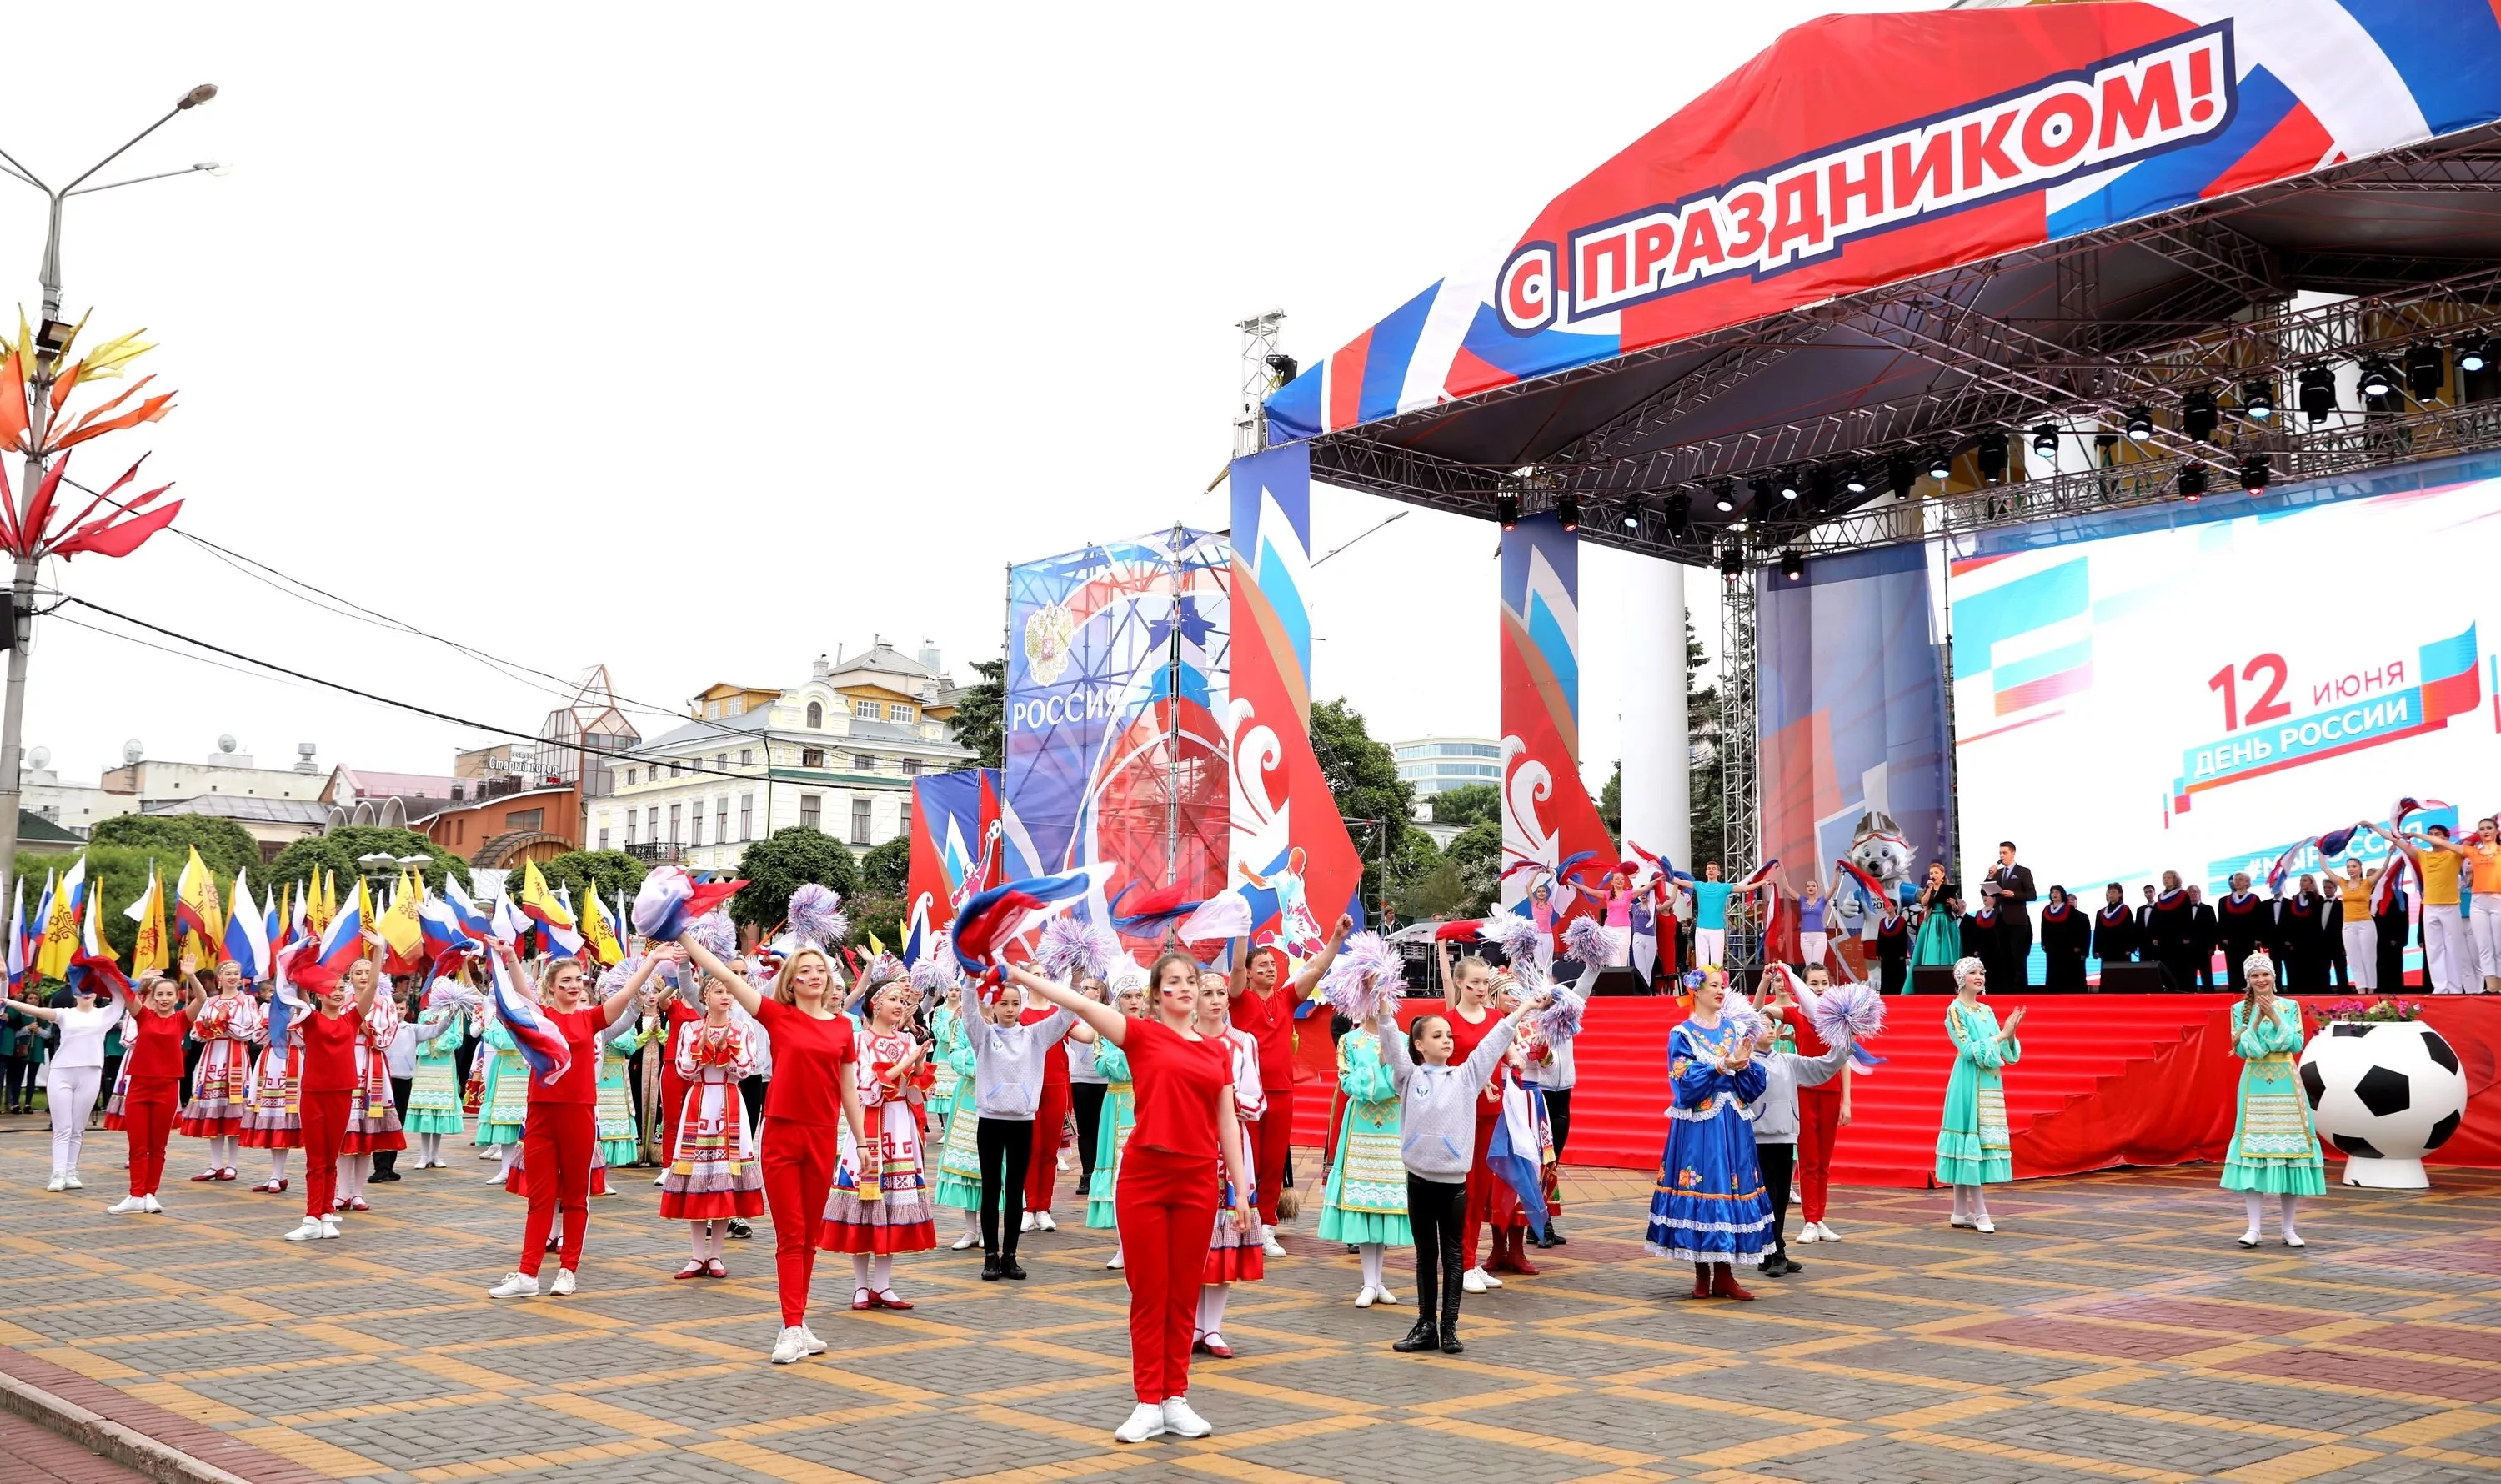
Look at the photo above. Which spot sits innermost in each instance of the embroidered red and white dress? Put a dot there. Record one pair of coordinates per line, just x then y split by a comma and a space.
372, 1119
714, 1174
222, 1084
879, 1203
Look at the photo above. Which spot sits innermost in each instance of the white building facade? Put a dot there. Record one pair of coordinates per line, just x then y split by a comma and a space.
1437, 765
837, 753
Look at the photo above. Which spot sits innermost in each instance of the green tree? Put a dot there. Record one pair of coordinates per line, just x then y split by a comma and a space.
116, 875
1473, 803
980, 715
338, 851
607, 872
875, 912
225, 847
1363, 778
1611, 802
885, 870
784, 861
1476, 856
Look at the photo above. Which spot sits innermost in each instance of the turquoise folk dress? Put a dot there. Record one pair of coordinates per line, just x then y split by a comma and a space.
434, 1096
1710, 1204
1972, 1143
1366, 1199
1111, 1136
2275, 1146
960, 1152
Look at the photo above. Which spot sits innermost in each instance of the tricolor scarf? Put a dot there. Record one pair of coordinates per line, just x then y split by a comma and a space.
2240, 903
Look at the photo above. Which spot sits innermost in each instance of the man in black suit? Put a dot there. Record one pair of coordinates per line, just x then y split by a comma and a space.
2015, 894
2144, 926
2203, 932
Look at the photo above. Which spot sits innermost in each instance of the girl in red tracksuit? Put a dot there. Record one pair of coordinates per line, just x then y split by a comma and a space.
811, 1100
1264, 999
1185, 1134
560, 1136
153, 1065
328, 1028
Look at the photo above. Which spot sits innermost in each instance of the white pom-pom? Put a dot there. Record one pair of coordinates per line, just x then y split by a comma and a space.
717, 933
817, 916
616, 975
936, 973
1738, 1015
1368, 973
1066, 946
1561, 1021
1852, 1010
1515, 936
1586, 941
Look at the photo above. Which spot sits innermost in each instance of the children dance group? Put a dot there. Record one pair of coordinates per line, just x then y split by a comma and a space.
919, 1087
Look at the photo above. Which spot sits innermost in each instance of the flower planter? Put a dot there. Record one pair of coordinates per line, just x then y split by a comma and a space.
2383, 1093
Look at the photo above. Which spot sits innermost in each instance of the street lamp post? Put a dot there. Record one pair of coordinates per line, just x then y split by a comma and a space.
48, 342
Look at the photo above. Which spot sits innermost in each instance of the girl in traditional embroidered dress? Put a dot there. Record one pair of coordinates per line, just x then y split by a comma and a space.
273, 1117
2275, 1146
1234, 1255
222, 1084
959, 1147
1119, 1116
372, 1123
434, 1095
880, 1204
1366, 1202
620, 1141
1710, 1208
715, 1178
506, 1101
1973, 1149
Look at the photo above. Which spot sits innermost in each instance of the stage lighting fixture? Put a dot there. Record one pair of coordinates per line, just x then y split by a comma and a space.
2140, 423
2255, 473
2378, 378
1856, 480
1792, 565
2317, 393
1993, 456
1679, 513
1732, 561
2193, 481
2257, 401
1763, 494
2199, 416
2103, 442
1723, 495
1567, 508
1820, 488
1902, 471
2474, 352
1788, 483
1631, 517
1941, 466
1505, 509
2045, 440
2426, 371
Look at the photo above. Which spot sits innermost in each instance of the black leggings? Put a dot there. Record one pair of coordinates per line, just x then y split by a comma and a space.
1007, 1149
17, 1081
1777, 1161
1559, 1118
1088, 1100
1435, 1213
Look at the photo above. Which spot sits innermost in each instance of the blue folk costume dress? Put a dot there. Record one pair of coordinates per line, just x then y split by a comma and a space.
1710, 1205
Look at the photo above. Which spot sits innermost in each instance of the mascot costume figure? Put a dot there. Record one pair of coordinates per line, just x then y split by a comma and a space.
1876, 873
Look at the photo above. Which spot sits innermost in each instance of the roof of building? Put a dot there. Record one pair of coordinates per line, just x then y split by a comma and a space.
502, 801
35, 829
365, 783
747, 724
245, 806
887, 657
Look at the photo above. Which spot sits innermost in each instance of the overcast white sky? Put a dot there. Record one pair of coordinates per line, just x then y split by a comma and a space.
701, 340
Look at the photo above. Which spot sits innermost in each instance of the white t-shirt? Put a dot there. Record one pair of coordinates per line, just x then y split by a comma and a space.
82, 1033
400, 1055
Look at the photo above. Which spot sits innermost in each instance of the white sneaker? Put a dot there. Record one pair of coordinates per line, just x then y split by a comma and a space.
57, 1183
1806, 1233
520, 1285
1043, 1222
1823, 1228
1145, 1421
71, 1182
815, 1345
330, 1227
1473, 1280
563, 1284
791, 1347
1364, 1299
1028, 1223
308, 1231
151, 1207
966, 1242
664, 1178
127, 1205
1119, 1262
1271, 1248
1181, 1421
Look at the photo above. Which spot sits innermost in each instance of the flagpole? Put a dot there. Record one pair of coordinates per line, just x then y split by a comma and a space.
22, 587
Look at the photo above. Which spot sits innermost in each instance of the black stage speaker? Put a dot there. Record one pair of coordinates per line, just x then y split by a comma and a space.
1932, 979
1620, 981
2136, 978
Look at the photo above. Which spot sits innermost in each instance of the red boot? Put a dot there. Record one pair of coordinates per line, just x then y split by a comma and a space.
1723, 1282
1519, 1263
1701, 1280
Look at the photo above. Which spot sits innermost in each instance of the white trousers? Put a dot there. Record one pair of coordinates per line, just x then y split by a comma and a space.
72, 1097
1810, 949
2485, 918
1710, 947
2448, 953
2362, 954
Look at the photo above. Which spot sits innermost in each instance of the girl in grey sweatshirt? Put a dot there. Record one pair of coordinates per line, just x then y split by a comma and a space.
1437, 1106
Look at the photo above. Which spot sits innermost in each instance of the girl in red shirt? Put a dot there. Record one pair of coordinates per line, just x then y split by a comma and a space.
329, 1083
1168, 1189
1264, 999
808, 1104
560, 1133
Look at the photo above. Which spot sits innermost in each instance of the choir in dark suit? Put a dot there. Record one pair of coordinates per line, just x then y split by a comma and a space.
2066, 937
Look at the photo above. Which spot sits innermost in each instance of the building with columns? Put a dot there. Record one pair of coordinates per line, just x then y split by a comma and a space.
837, 753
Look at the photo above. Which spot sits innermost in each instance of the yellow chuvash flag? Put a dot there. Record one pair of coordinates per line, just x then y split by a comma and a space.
61, 932
152, 951
365, 907
401, 927
196, 909
319, 903
599, 928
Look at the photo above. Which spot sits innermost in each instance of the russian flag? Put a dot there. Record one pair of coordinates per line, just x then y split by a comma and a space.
472, 918
442, 923
533, 1036
1517, 1151
995, 918
342, 944
17, 937
246, 933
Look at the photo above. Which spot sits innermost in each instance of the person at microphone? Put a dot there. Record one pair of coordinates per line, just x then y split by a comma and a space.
2009, 888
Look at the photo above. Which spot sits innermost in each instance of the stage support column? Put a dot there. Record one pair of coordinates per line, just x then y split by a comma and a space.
1657, 795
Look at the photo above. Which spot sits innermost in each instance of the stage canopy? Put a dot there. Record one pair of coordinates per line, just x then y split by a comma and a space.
1890, 240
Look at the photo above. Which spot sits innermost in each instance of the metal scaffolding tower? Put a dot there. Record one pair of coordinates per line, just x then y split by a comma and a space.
1738, 747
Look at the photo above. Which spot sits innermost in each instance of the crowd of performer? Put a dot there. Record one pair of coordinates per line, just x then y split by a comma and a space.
896, 1090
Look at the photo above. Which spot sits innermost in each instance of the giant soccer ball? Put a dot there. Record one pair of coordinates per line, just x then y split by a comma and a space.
2384, 1093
